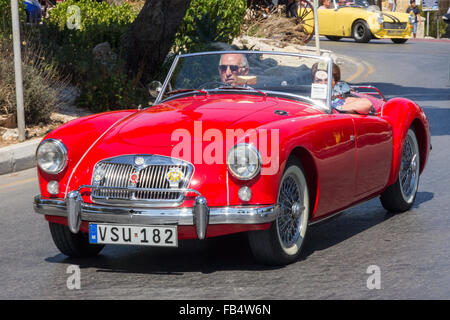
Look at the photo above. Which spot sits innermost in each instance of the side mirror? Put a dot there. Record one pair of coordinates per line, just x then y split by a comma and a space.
154, 88
341, 89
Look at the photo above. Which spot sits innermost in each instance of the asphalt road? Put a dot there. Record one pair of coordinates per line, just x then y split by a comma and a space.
411, 251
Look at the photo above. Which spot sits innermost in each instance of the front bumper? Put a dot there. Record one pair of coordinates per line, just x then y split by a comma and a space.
200, 215
393, 33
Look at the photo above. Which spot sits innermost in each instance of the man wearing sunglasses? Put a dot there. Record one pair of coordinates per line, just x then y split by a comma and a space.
232, 65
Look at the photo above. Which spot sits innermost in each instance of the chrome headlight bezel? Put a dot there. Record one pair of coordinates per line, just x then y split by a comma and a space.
380, 19
59, 162
250, 151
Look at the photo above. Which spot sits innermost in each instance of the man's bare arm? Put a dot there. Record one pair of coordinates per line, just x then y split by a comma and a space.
357, 105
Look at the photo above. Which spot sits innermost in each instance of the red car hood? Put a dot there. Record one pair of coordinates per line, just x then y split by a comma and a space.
151, 131
155, 126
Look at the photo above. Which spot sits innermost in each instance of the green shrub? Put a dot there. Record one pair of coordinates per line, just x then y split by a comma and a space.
5, 17
106, 89
103, 84
42, 87
210, 21
70, 49
434, 25
99, 22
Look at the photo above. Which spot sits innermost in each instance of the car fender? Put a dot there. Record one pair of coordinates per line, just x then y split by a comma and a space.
78, 136
356, 14
402, 114
297, 138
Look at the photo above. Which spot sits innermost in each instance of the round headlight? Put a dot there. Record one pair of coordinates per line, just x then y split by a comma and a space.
380, 19
51, 156
244, 161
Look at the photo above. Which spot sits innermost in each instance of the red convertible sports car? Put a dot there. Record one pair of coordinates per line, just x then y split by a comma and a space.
238, 141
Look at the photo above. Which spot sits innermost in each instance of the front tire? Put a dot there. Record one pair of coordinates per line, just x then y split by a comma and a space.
361, 32
282, 243
400, 196
71, 244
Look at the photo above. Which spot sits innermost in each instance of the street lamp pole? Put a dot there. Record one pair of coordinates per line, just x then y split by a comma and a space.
316, 27
18, 69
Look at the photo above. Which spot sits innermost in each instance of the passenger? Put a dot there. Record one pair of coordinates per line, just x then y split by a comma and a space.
325, 4
348, 104
231, 66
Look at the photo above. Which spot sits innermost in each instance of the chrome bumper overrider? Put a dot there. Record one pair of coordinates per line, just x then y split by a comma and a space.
200, 215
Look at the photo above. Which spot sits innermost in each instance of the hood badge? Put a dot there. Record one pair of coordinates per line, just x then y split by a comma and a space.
174, 176
139, 161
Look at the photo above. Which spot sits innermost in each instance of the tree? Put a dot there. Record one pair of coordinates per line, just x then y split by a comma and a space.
147, 42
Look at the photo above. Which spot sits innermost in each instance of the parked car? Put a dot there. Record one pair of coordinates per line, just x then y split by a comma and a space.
238, 141
363, 22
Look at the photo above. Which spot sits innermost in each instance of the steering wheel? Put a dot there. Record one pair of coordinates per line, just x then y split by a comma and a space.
213, 83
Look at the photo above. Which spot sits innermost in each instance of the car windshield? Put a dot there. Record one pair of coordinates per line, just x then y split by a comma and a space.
286, 75
353, 3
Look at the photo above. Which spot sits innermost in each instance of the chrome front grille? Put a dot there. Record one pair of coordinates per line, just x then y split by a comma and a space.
124, 176
396, 26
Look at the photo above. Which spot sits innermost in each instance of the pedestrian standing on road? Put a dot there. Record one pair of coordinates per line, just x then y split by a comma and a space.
414, 11
392, 4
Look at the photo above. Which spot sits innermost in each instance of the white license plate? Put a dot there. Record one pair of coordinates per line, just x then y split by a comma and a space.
163, 236
395, 32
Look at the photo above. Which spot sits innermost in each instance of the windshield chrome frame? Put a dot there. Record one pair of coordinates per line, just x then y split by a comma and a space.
326, 59
337, 6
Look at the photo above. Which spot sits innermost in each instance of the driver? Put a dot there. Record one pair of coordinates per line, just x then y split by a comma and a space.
232, 65
348, 104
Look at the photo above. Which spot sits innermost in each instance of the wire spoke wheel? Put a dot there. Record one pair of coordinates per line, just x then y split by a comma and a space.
289, 221
306, 19
409, 169
400, 196
282, 243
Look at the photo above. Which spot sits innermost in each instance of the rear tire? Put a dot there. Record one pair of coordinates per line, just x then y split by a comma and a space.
71, 244
361, 32
400, 196
399, 41
282, 243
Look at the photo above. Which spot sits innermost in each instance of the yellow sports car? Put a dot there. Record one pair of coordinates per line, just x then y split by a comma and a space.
359, 20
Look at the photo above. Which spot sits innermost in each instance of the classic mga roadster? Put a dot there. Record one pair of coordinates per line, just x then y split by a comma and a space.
238, 141
356, 19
